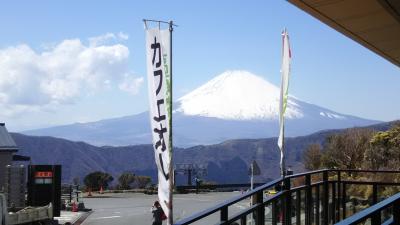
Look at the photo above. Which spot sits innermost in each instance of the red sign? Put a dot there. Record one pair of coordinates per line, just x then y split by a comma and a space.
43, 174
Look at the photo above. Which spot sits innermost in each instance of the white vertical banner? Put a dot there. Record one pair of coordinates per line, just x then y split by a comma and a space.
159, 86
285, 73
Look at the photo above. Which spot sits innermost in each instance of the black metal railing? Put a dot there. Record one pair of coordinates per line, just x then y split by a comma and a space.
318, 197
374, 213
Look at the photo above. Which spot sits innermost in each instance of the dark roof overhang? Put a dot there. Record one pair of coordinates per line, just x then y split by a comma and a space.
374, 24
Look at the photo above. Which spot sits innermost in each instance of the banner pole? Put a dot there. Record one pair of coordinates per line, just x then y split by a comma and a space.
283, 173
171, 167
283, 102
162, 115
252, 176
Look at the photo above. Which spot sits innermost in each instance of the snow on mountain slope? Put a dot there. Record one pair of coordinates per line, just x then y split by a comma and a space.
233, 105
240, 95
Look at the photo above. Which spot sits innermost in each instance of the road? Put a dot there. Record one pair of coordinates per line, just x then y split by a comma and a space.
134, 208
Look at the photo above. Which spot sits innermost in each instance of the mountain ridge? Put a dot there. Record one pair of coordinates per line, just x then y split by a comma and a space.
235, 104
79, 158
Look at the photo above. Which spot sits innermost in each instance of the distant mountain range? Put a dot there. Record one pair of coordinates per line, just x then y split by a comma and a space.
226, 162
233, 105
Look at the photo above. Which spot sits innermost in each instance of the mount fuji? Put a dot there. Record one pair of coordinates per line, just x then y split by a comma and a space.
234, 105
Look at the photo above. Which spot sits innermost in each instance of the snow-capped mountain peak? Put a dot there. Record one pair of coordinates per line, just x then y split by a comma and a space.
230, 106
237, 95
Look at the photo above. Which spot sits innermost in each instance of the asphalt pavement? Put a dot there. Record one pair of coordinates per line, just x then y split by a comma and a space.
68, 216
134, 208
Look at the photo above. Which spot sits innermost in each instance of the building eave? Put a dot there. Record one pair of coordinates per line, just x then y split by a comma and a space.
375, 24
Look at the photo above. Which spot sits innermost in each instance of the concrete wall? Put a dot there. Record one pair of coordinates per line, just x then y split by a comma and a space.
5, 159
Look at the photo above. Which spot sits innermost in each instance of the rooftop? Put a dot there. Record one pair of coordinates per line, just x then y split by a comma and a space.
6, 141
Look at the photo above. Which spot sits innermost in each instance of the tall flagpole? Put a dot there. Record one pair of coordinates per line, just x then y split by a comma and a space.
283, 166
252, 176
285, 73
171, 167
161, 109
282, 116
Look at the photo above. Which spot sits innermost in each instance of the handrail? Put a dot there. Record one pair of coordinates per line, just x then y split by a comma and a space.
308, 173
216, 186
234, 200
286, 191
363, 171
250, 209
372, 211
227, 203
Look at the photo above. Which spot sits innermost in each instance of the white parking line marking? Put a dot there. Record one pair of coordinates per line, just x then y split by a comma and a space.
105, 217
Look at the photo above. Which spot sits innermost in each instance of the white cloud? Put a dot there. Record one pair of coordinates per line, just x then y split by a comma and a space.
62, 73
108, 38
123, 36
131, 84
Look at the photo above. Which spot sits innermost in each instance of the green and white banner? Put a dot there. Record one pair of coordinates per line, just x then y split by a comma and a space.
159, 86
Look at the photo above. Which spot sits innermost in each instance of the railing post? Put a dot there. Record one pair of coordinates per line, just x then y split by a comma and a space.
70, 193
274, 212
344, 200
396, 212
339, 197
376, 218
77, 193
333, 206
325, 203
298, 207
317, 201
243, 220
374, 194
224, 214
288, 202
260, 209
308, 202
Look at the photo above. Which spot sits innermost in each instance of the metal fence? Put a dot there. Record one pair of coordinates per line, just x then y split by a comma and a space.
70, 193
373, 214
312, 198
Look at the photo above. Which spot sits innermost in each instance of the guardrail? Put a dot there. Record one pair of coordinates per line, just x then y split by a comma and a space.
316, 197
374, 213
208, 187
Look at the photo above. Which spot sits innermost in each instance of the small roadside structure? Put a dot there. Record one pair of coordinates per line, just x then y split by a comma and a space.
7, 149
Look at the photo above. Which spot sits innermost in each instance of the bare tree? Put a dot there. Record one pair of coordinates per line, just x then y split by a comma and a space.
346, 150
142, 181
312, 157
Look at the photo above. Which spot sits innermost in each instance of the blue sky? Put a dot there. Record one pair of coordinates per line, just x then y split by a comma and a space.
43, 83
